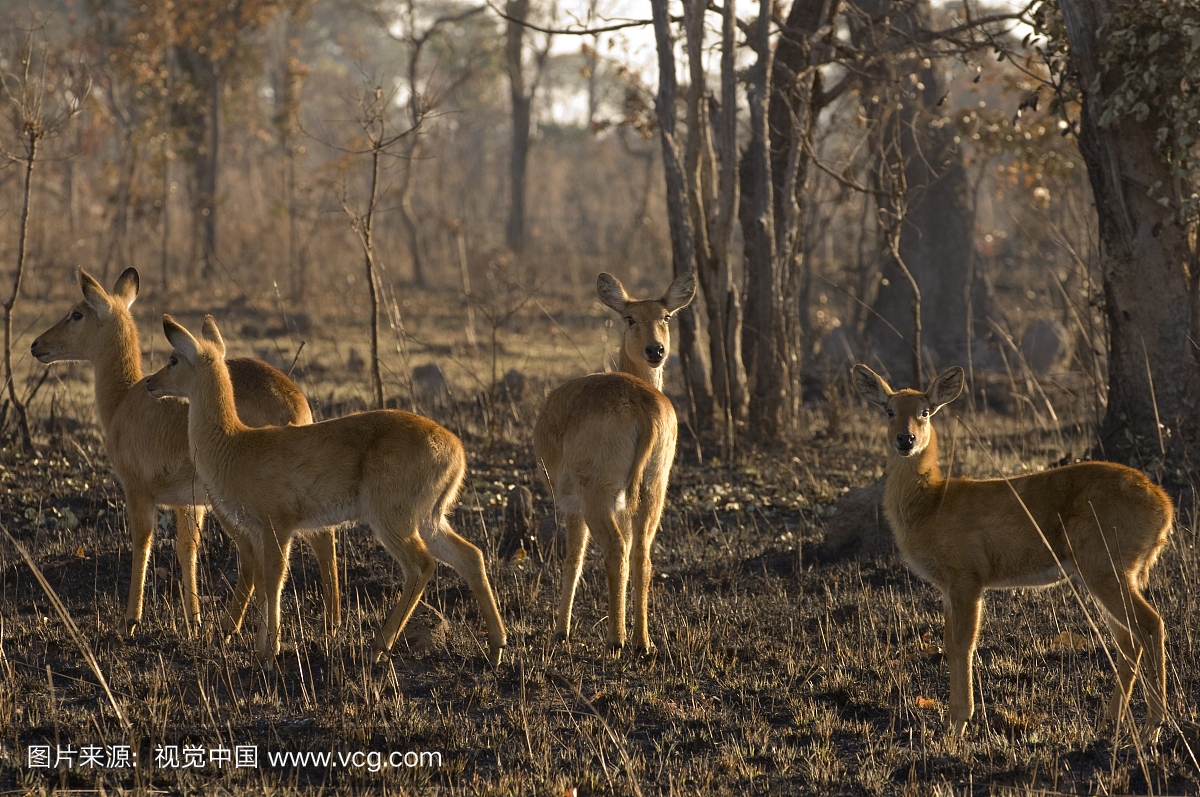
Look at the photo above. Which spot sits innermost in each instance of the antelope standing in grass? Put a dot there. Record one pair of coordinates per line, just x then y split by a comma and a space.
1102, 521
397, 471
605, 443
146, 440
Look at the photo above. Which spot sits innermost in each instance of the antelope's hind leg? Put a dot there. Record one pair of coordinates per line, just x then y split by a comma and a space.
614, 544
448, 546
577, 542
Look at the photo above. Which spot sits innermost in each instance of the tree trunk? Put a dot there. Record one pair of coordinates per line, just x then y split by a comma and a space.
408, 217
22, 245
712, 198
758, 227
785, 97
1146, 262
683, 242
522, 105
373, 277
209, 167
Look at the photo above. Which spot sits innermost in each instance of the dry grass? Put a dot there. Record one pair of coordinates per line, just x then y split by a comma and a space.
778, 671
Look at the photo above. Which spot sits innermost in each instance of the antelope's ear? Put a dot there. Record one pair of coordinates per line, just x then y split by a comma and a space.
212, 334
681, 293
127, 287
93, 293
871, 385
611, 292
945, 388
180, 339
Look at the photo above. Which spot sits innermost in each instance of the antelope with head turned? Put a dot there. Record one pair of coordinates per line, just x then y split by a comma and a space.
398, 472
605, 444
146, 440
1103, 521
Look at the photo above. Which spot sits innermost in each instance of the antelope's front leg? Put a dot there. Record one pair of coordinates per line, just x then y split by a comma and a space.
962, 606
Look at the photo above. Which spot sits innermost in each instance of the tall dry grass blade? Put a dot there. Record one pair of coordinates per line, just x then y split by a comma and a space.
73, 629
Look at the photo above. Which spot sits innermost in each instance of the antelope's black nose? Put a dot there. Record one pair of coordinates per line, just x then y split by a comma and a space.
905, 442
655, 352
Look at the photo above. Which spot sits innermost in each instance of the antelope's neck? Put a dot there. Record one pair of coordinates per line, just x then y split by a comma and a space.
641, 369
118, 368
914, 484
212, 416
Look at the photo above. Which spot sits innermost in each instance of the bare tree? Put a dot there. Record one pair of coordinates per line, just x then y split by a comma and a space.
382, 138
42, 99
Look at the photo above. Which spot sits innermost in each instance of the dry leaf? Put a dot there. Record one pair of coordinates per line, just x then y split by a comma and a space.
80, 552
928, 702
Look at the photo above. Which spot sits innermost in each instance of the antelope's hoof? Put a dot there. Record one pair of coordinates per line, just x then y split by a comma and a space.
496, 655
131, 626
958, 727
614, 649
646, 653
559, 638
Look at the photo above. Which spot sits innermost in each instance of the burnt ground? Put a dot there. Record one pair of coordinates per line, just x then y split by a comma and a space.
780, 668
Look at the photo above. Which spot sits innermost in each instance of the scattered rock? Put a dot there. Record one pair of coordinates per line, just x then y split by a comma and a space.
856, 527
512, 386
1046, 346
429, 383
426, 632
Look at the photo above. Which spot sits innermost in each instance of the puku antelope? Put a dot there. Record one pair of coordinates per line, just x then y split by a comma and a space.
146, 440
605, 443
1102, 521
397, 471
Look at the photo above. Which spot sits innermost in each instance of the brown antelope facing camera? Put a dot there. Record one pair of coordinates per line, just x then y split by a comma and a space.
605, 443
397, 471
146, 439
1100, 520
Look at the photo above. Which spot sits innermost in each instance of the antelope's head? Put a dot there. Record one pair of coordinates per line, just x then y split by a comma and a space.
909, 411
90, 326
646, 340
189, 357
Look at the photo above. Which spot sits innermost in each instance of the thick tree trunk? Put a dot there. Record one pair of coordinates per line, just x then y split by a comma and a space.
1146, 262
927, 193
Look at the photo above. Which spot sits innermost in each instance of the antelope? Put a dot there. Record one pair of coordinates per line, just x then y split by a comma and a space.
146, 440
397, 471
1104, 522
605, 444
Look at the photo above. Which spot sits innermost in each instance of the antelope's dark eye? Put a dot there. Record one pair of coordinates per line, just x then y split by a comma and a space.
925, 413
76, 315
891, 413
173, 361
629, 320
